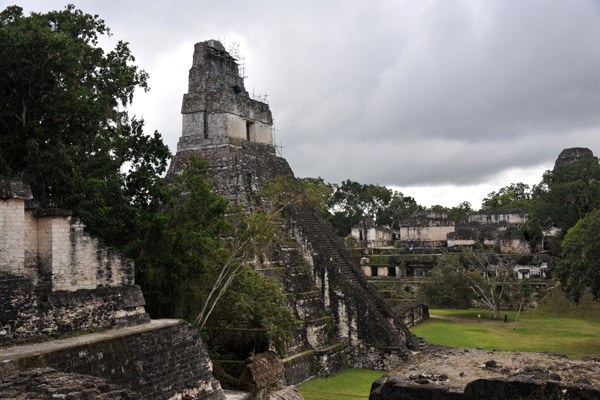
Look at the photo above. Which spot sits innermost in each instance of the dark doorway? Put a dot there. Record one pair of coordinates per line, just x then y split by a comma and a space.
248, 128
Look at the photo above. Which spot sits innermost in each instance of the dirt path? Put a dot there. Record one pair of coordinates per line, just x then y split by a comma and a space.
449, 318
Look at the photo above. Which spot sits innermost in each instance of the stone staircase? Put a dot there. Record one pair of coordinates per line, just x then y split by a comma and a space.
329, 249
314, 350
325, 240
422, 343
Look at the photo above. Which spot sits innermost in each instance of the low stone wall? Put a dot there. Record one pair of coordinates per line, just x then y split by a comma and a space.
412, 314
491, 389
308, 364
446, 373
164, 359
27, 316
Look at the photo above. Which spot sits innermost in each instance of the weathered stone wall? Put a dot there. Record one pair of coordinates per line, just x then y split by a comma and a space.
523, 388
55, 279
27, 315
428, 233
12, 237
412, 313
70, 257
48, 383
13, 194
499, 216
217, 104
161, 360
51, 248
499, 230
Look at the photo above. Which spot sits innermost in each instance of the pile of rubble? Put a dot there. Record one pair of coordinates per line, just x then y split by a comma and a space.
461, 373
47, 383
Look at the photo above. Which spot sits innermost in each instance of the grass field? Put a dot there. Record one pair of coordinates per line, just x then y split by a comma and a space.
556, 326
349, 384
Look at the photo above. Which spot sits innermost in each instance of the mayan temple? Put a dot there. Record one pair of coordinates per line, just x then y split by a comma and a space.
340, 318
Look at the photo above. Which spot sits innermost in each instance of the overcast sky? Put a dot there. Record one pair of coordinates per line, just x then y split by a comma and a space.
444, 100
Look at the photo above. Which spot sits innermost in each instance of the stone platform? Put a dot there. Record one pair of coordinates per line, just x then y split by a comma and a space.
441, 373
162, 359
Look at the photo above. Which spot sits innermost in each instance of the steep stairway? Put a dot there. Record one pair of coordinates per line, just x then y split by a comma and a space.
314, 350
372, 326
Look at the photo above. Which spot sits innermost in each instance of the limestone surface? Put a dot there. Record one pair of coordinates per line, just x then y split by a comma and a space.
462, 373
48, 383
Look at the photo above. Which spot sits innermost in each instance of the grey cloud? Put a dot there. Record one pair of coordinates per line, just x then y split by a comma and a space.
391, 92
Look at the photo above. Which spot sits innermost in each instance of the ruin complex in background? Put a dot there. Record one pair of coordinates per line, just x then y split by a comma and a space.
396, 261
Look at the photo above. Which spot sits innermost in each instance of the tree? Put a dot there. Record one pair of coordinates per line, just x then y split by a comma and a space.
460, 212
565, 195
580, 267
456, 213
488, 275
525, 290
445, 287
399, 208
515, 195
63, 127
319, 192
196, 249
353, 201
182, 245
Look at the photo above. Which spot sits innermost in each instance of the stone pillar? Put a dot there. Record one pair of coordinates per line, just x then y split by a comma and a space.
13, 194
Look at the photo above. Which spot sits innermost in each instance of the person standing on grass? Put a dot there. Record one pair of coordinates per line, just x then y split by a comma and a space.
479, 318
506, 318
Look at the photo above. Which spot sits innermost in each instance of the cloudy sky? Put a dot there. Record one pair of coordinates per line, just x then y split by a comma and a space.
444, 100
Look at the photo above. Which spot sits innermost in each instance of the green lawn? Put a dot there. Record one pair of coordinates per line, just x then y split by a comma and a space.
555, 326
349, 384
534, 332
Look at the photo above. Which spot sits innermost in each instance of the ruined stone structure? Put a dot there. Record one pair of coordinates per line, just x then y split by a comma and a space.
397, 262
573, 154
447, 373
55, 278
57, 281
374, 236
43, 383
429, 226
498, 229
339, 315
217, 103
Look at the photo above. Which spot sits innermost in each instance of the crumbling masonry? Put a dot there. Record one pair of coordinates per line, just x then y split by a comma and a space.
339, 315
57, 281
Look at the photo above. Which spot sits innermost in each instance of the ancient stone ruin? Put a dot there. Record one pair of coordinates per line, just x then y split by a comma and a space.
447, 373
339, 315
573, 154
57, 281
47, 251
397, 261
